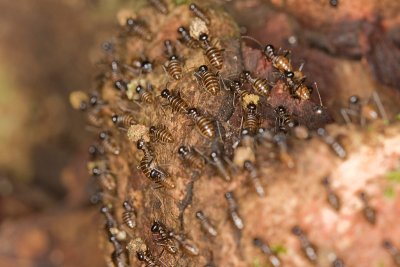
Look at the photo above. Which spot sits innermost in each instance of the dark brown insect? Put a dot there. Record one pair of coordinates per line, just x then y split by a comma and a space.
237, 88
159, 176
368, 212
213, 54
110, 220
283, 121
280, 62
173, 65
332, 198
140, 66
209, 80
203, 123
106, 178
145, 147
118, 256
308, 248
121, 86
176, 102
108, 143
219, 164
162, 236
198, 12
138, 28
160, 6
280, 139
187, 39
165, 234
337, 262
145, 96
394, 252
95, 151
233, 211
147, 257
193, 158
251, 120
206, 224
94, 118
160, 134
298, 89
339, 150
259, 85
364, 111
265, 248
129, 214
253, 173
124, 120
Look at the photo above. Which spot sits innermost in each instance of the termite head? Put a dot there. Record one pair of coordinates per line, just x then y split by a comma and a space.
296, 230
147, 66
140, 144
182, 30
126, 205
140, 255
246, 74
203, 37
269, 50
183, 150
229, 195
318, 109
289, 74
203, 68
139, 88
214, 155
280, 110
156, 227
252, 107
121, 85
173, 57
193, 112
165, 93
155, 174
354, 99
199, 214
104, 209
96, 171
245, 132
192, 7
94, 100
114, 118
103, 135
152, 130
130, 22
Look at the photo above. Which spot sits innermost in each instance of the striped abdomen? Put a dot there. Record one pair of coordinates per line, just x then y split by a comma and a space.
282, 64
144, 165
174, 69
205, 126
261, 86
178, 104
161, 135
211, 82
160, 6
251, 123
214, 55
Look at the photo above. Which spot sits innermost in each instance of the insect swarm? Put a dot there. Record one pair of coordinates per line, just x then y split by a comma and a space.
171, 182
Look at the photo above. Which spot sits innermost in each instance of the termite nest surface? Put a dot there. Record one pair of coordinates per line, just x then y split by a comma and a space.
195, 131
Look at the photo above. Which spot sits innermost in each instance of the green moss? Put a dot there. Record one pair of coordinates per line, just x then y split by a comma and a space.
256, 263
394, 176
279, 249
389, 192
180, 2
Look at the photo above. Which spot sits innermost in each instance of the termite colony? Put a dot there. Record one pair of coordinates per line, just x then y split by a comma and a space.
178, 109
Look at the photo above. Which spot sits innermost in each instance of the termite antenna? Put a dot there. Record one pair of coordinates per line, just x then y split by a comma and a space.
252, 39
319, 95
